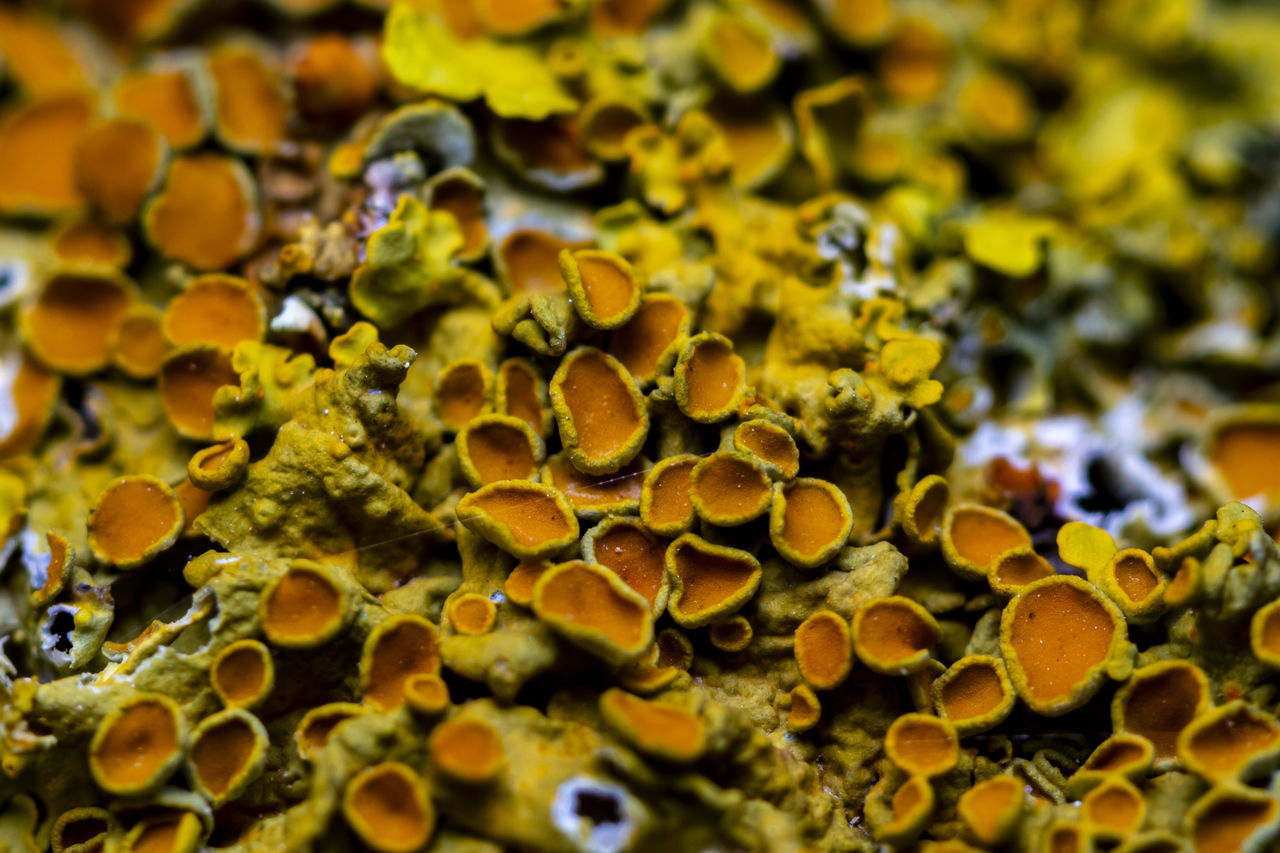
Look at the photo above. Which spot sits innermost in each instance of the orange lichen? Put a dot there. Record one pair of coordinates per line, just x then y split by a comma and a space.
1246, 453
214, 457
626, 548
304, 607
658, 730
1131, 580
893, 635
70, 327
82, 830
398, 649
646, 343
910, 808
333, 84
466, 750
165, 831
1184, 586
38, 57
645, 678
591, 606
833, 112
117, 164
251, 108
517, 17
709, 581
974, 693
759, 141
548, 150
1235, 740
624, 17
472, 614
527, 520
152, 631
602, 286
1229, 819
1050, 675
740, 52
666, 507
809, 522
530, 260
710, 378
1016, 568
923, 509
520, 584
137, 745
593, 496
138, 346
1114, 809
769, 443
133, 21
462, 392
602, 417
498, 447
188, 379
28, 393
426, 693
1159, 701
1063, 837
991, 809
732, 635
91, 243
460, 193
37, 154
388, 807
522, 393
194, 501
134, 518
823, 650
167, 99
996, 108
317, 725
56, 571
215, 309
227, 751
1264, 634
219, 466
205, 214
913, 65
1125, 755
730, 488
973, 536
922, 745
243, 674
605, 122
805, 710
674, 649
858, 21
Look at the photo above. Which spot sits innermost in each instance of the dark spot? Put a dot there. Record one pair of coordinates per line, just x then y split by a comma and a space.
61, 626
1109, 490
597, 807
83, 830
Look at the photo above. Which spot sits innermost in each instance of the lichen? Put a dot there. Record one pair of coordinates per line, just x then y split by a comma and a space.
633, 425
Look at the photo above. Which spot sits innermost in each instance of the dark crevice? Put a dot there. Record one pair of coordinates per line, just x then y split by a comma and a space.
61, 626
597, 807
